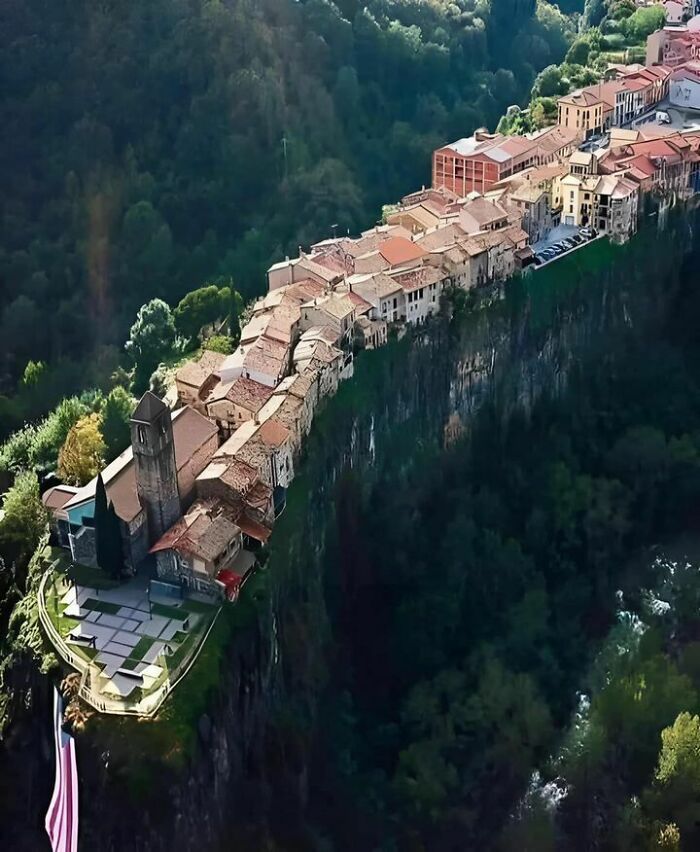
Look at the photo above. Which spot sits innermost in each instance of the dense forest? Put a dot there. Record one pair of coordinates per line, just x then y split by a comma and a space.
535, 595
149, 148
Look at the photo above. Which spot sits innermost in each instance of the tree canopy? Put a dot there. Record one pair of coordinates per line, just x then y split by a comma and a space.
203, 307
82, 454
151, 339
184, 143
116, 414
22, 523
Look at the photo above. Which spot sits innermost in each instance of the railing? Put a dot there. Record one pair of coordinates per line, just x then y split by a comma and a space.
149, 704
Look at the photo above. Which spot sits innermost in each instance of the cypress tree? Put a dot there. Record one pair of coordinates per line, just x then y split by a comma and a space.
108, 538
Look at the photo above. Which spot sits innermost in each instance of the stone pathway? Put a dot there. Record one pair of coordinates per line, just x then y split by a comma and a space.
116, 633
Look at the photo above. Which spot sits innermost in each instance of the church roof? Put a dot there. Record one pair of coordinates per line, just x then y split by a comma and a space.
149, 408
191, 430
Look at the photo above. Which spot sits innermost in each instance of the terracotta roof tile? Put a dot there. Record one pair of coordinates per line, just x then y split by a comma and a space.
398, 250
273, 433
247, 393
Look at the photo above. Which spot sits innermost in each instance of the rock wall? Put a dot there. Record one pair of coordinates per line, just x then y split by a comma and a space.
246, 786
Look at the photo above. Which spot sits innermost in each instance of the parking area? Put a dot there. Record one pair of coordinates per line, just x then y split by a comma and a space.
555, 235
559, 242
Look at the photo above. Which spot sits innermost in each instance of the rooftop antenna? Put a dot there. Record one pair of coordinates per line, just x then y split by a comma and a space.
334, 228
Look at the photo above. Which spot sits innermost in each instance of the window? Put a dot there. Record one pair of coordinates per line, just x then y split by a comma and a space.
141, 434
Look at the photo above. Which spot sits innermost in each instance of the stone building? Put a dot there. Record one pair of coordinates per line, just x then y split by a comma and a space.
150, 484
153, 450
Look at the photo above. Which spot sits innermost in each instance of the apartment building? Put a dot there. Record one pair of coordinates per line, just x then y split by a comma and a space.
582, 111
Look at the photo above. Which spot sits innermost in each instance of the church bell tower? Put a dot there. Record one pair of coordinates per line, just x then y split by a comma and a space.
156, 471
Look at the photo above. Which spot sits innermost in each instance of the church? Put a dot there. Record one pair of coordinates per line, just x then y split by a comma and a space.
149, 484
161, 481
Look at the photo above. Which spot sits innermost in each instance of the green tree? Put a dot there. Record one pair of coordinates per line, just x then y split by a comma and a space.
22, 523
108, 538
549, 82
82, 453
200, 308
677, 778
537, 114
220, 343
644, 22
151, 339
33, 372
53, 431
232, 305
158, 383
116, 414
594, 12
668, 838
635, 706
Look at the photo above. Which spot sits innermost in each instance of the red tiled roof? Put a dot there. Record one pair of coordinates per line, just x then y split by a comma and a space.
305, 290
239, 476
249, 394
361, 304
259, 497
253, 529
273, 433
398, 250
58, 496
421, 277
584, 97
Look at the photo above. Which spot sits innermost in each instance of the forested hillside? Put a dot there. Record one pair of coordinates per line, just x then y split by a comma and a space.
150, 147
548, 558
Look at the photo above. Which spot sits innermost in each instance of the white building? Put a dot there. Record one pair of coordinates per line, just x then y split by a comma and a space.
684, 90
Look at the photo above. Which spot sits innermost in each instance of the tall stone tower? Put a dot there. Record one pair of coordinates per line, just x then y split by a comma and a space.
156, 471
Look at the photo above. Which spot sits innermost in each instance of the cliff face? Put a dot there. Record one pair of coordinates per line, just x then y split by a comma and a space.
246, 786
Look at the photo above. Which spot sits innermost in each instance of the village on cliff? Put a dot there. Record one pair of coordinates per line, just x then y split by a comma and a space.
197, 493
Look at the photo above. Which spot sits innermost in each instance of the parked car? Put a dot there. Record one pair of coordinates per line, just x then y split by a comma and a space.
577, 239
586, 233
539, 260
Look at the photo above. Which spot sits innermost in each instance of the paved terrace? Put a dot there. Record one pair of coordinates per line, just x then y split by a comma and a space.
131, 650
